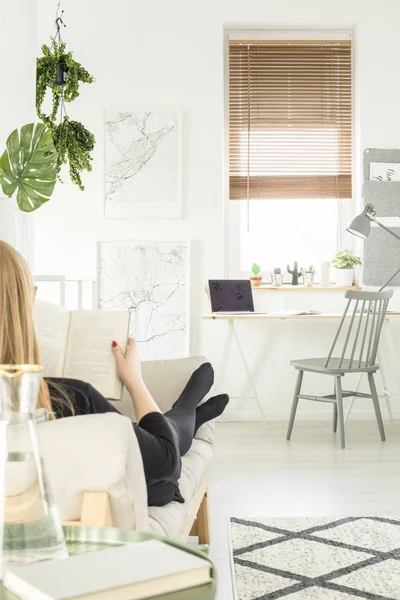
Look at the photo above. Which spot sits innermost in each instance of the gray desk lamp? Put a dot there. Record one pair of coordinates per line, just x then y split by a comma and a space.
361, 227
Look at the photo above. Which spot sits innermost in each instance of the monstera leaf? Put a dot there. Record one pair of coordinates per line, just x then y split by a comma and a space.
29, 165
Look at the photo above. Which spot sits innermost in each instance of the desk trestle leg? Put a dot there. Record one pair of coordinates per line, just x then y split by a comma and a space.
232, 335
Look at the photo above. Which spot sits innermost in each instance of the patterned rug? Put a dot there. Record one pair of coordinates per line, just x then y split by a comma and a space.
316, 558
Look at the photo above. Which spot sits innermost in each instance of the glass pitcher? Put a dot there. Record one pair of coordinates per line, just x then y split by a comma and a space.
30, 527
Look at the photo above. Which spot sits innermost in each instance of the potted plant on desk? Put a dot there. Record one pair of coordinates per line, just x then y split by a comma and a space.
295, 273
308, 276
255, 276
277, 277
344, 263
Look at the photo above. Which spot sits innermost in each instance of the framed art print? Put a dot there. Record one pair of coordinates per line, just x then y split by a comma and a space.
151, 281
143, 163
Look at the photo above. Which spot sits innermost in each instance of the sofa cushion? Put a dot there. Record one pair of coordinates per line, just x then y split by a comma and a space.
206, 432
168, 520
165, 380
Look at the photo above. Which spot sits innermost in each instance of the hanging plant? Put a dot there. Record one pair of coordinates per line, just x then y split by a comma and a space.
74, 144
59, 73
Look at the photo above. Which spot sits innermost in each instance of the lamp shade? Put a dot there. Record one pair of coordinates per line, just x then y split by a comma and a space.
360, 226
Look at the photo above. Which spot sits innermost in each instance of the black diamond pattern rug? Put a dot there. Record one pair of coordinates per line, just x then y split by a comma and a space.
316, 558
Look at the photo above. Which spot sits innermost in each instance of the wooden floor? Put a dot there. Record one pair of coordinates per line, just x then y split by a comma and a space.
258, 473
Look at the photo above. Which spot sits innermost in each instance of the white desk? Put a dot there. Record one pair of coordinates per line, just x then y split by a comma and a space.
232, 336
287, 287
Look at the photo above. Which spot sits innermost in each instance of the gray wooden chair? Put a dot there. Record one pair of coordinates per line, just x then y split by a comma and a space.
357, 339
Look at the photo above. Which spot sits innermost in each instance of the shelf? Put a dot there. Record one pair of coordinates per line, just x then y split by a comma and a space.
303, 288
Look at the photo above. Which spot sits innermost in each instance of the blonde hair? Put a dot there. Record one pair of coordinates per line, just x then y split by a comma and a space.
18, 341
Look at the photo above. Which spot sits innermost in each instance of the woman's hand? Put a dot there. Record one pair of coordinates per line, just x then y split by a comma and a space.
129, 368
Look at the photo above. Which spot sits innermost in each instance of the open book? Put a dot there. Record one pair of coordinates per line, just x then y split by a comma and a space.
77, 344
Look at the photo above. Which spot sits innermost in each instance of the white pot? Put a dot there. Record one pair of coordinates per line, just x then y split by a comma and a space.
325, 274
344, 277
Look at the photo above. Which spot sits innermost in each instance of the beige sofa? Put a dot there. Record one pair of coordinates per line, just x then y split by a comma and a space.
96, 471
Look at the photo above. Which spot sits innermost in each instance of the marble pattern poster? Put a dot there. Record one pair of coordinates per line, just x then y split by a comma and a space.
150, 280
143, 155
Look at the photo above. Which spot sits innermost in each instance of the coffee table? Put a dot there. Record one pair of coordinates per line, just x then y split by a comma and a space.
89, 539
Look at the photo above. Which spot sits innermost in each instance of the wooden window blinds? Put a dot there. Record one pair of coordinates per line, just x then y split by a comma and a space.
290, 119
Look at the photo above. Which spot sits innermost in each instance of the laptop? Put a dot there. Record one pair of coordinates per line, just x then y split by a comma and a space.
231, 296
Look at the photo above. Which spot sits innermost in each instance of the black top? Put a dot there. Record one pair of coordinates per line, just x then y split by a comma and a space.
157, 438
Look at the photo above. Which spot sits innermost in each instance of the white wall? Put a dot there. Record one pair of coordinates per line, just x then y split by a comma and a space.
17, 98
171, 53
17, 65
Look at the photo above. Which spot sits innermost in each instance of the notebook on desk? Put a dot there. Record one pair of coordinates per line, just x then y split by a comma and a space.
231, 296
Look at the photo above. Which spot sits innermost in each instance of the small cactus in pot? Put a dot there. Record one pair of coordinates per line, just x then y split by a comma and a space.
295, 273
255, 276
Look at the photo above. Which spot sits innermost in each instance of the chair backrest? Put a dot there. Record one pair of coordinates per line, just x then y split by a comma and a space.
361, 327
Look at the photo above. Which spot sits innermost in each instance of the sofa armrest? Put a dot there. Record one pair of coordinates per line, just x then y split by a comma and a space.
96, 453
165, 380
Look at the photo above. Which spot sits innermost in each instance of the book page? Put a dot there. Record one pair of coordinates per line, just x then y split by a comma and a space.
52, 323
89, 355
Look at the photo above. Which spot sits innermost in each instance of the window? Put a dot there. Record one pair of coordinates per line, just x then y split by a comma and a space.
290, 145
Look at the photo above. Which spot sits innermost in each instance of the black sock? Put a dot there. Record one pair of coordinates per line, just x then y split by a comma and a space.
213, 408
198, 386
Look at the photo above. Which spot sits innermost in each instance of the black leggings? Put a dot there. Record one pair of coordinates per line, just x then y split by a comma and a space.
162, 439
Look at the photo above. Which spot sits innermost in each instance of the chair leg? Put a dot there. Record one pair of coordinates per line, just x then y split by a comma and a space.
339, 403
377, 408
335, 418
294, 404
353, 398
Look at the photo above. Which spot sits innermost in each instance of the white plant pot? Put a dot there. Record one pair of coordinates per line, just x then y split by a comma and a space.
344, 277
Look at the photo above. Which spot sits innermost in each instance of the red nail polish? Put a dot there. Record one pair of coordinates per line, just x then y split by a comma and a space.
114, 344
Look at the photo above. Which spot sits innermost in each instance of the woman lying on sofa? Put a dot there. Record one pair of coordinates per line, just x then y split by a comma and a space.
163, 438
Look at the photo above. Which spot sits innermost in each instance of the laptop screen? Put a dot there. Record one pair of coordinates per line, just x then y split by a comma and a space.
231, 295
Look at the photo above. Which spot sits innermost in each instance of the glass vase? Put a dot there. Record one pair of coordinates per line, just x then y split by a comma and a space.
30, 526
308, 279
